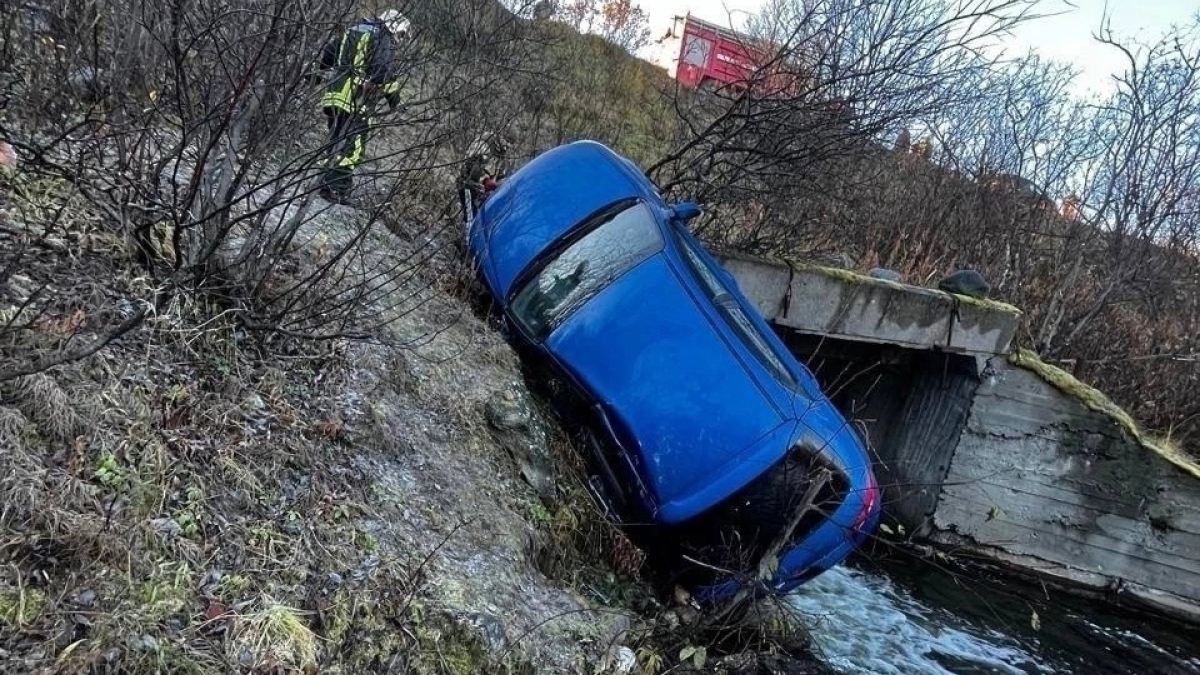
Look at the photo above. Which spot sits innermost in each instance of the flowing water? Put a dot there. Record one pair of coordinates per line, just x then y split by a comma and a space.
921, 622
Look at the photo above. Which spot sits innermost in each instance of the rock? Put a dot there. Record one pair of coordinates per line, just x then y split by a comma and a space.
490, 629
167, 526
518, 429
145, 643
86, 598
254, 402
966, 282
840, 261
885, 274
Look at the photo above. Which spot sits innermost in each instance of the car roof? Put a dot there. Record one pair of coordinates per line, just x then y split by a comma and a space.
548, 197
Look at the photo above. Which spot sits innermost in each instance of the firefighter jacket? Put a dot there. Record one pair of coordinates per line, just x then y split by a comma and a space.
363, 61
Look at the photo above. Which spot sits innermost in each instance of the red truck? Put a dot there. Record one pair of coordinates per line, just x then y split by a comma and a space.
711, 56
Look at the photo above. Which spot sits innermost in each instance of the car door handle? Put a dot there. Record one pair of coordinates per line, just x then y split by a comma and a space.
606, 421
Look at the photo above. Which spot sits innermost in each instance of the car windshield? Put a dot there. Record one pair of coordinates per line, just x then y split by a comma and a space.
733, 312
616, 240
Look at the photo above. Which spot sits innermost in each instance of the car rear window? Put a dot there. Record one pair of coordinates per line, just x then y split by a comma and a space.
616, 240
734, 313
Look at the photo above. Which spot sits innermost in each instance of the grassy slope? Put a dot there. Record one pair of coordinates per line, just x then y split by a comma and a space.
194, 501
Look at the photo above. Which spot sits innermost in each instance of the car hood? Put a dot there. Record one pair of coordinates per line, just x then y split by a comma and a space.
648, 353
545, 199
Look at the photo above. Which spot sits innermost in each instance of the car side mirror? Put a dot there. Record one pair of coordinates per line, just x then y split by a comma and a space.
685, 211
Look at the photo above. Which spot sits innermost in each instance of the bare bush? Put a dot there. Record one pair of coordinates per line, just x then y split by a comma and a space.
188, 136
894, 141
836, 77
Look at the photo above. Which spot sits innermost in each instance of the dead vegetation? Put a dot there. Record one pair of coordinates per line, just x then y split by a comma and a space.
202, 500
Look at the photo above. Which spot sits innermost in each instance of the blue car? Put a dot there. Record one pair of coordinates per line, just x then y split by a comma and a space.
702, 432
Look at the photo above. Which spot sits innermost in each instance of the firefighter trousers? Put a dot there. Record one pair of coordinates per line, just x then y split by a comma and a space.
347, 144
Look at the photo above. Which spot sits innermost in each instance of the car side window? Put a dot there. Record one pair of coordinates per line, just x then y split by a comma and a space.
616, 241
733, 312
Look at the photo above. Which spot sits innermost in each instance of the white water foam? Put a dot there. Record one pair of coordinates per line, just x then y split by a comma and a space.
864, 625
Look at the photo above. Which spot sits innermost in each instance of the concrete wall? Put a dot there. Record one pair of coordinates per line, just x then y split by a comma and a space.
1041, 481
844, 305
917, 452
1008, 467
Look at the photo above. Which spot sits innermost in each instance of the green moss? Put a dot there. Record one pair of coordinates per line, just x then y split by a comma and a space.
164, 593
446, 648
20, 607
234, 585
988, 304
851, 277
1096, 400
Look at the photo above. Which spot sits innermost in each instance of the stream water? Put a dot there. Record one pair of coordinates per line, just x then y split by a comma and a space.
907, 621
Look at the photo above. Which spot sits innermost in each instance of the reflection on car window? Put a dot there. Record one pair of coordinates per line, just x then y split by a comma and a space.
618, 241
734, 313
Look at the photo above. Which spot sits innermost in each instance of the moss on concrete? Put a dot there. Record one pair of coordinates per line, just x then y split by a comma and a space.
851, 277
1096, 400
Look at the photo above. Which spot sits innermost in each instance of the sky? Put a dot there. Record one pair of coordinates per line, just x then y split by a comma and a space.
1066, 37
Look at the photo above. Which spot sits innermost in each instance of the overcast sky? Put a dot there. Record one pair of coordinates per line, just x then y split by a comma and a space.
1067, 37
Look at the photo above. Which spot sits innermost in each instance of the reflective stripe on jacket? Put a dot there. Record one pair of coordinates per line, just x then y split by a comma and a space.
362, 54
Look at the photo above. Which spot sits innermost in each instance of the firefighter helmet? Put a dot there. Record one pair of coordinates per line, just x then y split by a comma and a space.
397, 24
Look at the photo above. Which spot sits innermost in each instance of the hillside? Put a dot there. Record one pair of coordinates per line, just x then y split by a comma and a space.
245, 430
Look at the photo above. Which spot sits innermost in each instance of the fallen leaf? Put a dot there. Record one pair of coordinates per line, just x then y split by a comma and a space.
178, 417
329, 428
1035, 621
62, 327
216, 610
66, 652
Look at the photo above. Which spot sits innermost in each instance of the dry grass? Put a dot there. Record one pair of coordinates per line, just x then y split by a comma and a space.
274, 636
44, 402
171, 504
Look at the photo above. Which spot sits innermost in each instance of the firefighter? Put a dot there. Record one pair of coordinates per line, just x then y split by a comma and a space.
482, 170
362, 61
